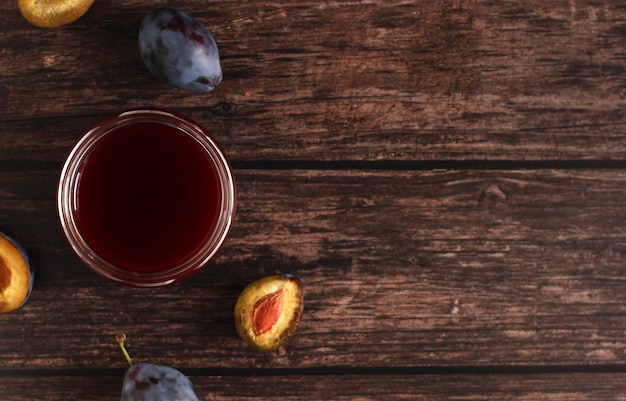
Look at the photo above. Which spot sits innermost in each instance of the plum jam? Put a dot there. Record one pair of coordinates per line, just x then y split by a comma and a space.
146, 198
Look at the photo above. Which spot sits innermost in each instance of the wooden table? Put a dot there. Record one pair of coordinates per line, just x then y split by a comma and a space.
447, 178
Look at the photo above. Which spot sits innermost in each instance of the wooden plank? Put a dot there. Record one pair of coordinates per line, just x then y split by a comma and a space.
395, 80
551, 387
401, 268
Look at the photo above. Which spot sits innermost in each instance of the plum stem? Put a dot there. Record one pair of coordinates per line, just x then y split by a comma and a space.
120, 338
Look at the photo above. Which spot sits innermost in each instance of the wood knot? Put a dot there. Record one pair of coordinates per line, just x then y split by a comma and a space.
225, 109
493, 193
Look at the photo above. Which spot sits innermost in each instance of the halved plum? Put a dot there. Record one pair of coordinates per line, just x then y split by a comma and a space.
268, 311
16, 275
53, 13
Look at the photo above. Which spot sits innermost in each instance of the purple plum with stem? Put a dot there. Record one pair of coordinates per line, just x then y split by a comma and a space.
149, 382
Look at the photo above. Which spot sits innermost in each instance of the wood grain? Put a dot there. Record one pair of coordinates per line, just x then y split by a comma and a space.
447, 178
559, 387
401, 268
393, 80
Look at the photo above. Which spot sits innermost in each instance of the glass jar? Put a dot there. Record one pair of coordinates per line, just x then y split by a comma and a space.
146, 198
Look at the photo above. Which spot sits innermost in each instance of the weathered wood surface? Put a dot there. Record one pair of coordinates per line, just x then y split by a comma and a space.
448, 178
398, 80
556, 387
416, 269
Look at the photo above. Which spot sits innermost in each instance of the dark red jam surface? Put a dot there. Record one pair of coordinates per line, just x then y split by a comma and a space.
148, 197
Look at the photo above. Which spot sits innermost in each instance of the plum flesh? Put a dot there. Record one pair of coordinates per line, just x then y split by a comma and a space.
16, 275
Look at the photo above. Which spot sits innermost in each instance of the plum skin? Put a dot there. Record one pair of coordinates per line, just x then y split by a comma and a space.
150, 382
179, 50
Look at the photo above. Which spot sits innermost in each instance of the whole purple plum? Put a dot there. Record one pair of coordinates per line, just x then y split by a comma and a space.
150, 382
179, 50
